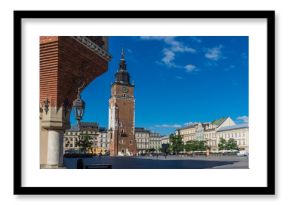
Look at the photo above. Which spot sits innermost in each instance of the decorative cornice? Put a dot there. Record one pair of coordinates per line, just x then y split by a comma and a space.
94, 47
123, 98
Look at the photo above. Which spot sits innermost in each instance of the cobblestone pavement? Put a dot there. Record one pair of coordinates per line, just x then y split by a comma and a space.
162, 162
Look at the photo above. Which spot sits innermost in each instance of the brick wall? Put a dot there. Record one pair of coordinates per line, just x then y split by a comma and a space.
64, 65
49, 63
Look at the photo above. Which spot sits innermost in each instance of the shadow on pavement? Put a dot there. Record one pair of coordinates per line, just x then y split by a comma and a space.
138, 163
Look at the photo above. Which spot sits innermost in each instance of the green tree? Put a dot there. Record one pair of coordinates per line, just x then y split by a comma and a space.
201, 145
176, 144
222, 144
232, 144
189, 146
84, 142
195, 145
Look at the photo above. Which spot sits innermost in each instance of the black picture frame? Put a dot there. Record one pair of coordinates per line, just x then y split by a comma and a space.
268, 190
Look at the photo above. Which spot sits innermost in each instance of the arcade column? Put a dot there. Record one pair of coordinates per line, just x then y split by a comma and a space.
53, 124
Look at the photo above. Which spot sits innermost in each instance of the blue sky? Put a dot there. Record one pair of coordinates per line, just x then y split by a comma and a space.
178, 80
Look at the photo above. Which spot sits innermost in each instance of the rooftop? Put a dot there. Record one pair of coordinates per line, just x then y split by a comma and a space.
188, 126
218, 122
234, 127
103, 129
141, 129
74, 128
84, 126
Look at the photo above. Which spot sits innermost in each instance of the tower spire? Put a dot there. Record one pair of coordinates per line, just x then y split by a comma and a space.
123, 54
122, 64
122, 76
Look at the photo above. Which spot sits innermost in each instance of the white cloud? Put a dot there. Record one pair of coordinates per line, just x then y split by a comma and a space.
178, 46
196, 39
173, 46
169, 56
214, 53
155, 37
168, 126
189, 123
243, 119
168, 59
190, 68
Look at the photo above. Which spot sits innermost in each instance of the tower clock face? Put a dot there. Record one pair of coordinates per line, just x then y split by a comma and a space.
124, 89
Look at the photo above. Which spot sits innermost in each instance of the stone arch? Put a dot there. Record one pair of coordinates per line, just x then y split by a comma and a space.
66, 62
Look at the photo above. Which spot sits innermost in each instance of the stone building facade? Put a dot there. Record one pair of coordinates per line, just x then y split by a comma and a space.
154, 141
99, 136
142, 139
240, 133
164, 140
188, 133
211, 128
211, 132
147, 140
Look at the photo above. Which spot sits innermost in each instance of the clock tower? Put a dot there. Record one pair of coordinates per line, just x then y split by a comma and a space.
122, 113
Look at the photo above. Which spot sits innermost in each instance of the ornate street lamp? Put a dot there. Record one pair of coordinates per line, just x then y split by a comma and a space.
79, 106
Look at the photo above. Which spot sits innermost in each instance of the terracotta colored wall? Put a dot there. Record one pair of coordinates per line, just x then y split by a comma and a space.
65, 64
